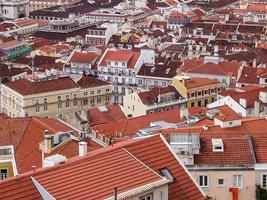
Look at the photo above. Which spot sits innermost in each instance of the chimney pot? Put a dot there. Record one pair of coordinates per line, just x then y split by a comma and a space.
82, 148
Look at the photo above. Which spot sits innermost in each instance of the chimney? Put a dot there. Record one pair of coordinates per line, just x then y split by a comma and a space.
48, 142
243, 102
254, 63
82, 148
216, 50
256, 108
183, 112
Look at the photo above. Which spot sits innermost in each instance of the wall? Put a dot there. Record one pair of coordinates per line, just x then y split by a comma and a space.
9, 168
222, 192
160, 193
231, 103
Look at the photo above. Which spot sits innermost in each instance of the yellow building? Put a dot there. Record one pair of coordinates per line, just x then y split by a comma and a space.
54, 98
8, 166
198, 91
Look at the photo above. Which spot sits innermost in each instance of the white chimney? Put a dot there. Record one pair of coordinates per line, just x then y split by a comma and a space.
183, 113
82, 148
243, 102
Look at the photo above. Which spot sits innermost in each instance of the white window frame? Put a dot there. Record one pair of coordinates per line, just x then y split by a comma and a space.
242, 181
205, 185
221, 185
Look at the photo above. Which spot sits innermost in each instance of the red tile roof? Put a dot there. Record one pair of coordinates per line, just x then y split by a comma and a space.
120, 165
113, 113
27, 87
88, 82
236, 151
25, 134
83, 57
225, 68
152, 96
129, 127
195, 82
233, 137
130, 57
251, 75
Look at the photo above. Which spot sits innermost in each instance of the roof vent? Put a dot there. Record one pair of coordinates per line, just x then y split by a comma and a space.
217, 145
54, 160
103, 109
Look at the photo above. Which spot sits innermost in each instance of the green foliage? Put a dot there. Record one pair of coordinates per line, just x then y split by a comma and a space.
261, 193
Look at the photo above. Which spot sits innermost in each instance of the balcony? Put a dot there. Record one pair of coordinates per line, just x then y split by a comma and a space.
117, 74
167, 103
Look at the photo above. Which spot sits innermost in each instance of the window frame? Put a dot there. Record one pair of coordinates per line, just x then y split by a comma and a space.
242, 181
203, 185
221, 185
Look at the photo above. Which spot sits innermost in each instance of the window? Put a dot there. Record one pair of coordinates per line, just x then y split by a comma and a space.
75, 101
107, 90
146, 197
92, 92
98, 91
192, 104
264, 180
45, 104
85, 93
221, 182
85, 102
98, 100
166, 173
203, 181
116, 63
67, 102
3, 174
37, 107
238, 181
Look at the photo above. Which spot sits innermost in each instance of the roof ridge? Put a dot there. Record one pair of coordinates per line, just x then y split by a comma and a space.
23, 133
142, 162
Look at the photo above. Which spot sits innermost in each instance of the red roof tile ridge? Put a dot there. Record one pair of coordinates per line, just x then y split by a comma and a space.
21, 139
37, 119
142, 163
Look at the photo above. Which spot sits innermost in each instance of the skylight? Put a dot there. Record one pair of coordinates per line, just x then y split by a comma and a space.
166, 173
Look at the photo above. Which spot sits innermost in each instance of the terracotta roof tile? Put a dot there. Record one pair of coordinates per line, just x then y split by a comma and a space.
152, 96
88, 82
195, 82
84, 57
106, 168
130, 57
113, 113
27, 87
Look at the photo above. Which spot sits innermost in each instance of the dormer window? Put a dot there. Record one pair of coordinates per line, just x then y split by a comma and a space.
217, 145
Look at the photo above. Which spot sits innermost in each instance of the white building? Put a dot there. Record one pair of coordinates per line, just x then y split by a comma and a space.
13, 9
119, 67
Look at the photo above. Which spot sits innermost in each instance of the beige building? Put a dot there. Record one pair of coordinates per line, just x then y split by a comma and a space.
227, 159
53, 98
157, 99
43, 4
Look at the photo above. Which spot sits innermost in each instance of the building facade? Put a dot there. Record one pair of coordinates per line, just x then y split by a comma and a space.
53, 98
